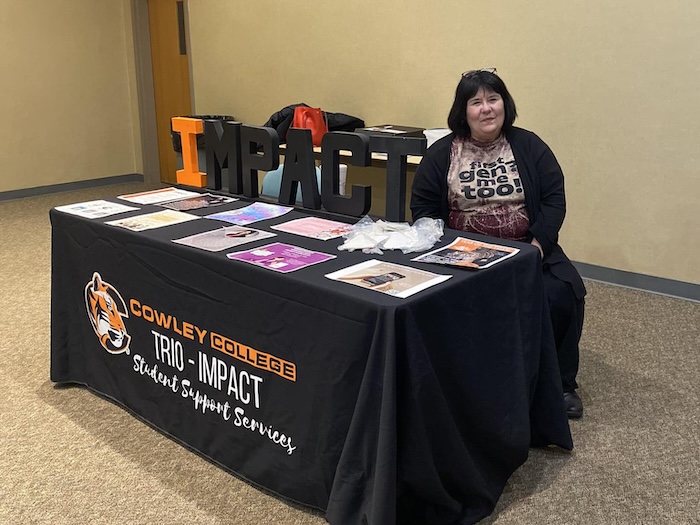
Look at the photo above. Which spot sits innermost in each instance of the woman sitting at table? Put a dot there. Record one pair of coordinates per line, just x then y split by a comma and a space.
492, 178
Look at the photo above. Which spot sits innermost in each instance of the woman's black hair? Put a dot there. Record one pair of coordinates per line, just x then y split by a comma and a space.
468, 86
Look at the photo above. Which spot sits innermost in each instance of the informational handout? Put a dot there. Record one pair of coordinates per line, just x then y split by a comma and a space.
314, 227
468, 253
157, 196
257, 211
389, 278
150, 221
281, 257
95, 209
224, 238
205, 200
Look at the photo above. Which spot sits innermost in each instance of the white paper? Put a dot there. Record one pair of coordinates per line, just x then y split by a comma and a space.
95, 209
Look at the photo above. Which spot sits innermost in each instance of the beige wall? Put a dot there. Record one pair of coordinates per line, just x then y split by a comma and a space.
611, 86
68, 110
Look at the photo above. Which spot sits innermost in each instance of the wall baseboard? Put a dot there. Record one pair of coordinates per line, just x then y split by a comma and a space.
70, 186
646, 283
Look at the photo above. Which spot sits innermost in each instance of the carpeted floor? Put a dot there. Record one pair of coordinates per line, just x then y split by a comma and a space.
68, 456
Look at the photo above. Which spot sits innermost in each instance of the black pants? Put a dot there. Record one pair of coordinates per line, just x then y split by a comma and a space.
566, 312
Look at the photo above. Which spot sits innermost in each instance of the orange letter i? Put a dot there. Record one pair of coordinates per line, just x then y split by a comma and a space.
190, 174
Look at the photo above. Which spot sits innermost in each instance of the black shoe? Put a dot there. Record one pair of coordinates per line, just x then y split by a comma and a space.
573, 404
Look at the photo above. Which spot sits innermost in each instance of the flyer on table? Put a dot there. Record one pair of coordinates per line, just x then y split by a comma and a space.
468, 253
95, 209
205, 200
314, 227
281, 257
224, 238
257, 211
157, 196
150, 221
389, 278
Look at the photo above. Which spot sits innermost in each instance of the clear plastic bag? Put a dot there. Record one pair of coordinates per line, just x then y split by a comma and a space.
373, 237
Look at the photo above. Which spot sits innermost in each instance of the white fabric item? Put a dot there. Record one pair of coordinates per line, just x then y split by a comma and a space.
373, 237
435, 134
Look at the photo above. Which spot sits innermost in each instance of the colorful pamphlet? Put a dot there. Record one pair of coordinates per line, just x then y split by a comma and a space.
158, 196
281, 257
389, 278
204, 200
314, 227
150, 221
224, 238
257, 211
468, 253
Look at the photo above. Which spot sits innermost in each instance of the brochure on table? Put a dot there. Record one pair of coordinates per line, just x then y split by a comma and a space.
158, 196
95, 209
468, 253
150, 221
314, 227
257, 211
224, 238
205, 200
389, 278
281, 257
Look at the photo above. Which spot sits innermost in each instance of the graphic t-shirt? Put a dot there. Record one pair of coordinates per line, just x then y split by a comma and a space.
484, 192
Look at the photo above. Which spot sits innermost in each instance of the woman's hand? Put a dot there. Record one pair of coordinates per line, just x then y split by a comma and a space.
534, 242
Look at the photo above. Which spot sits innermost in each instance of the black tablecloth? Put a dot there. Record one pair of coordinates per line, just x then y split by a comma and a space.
411, 410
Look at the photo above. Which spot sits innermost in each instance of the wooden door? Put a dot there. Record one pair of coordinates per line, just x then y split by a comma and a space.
171, 75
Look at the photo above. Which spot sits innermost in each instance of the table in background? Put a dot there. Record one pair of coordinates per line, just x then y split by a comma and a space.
378, 159
402, 410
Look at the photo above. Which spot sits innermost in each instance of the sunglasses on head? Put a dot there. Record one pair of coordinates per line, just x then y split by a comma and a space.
483, 70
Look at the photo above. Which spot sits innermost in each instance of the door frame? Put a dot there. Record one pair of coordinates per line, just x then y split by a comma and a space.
144, 87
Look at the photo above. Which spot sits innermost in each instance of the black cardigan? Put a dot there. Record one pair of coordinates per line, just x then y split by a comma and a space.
543, 184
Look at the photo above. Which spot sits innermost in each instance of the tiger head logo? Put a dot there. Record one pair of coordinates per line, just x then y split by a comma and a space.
107, 310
